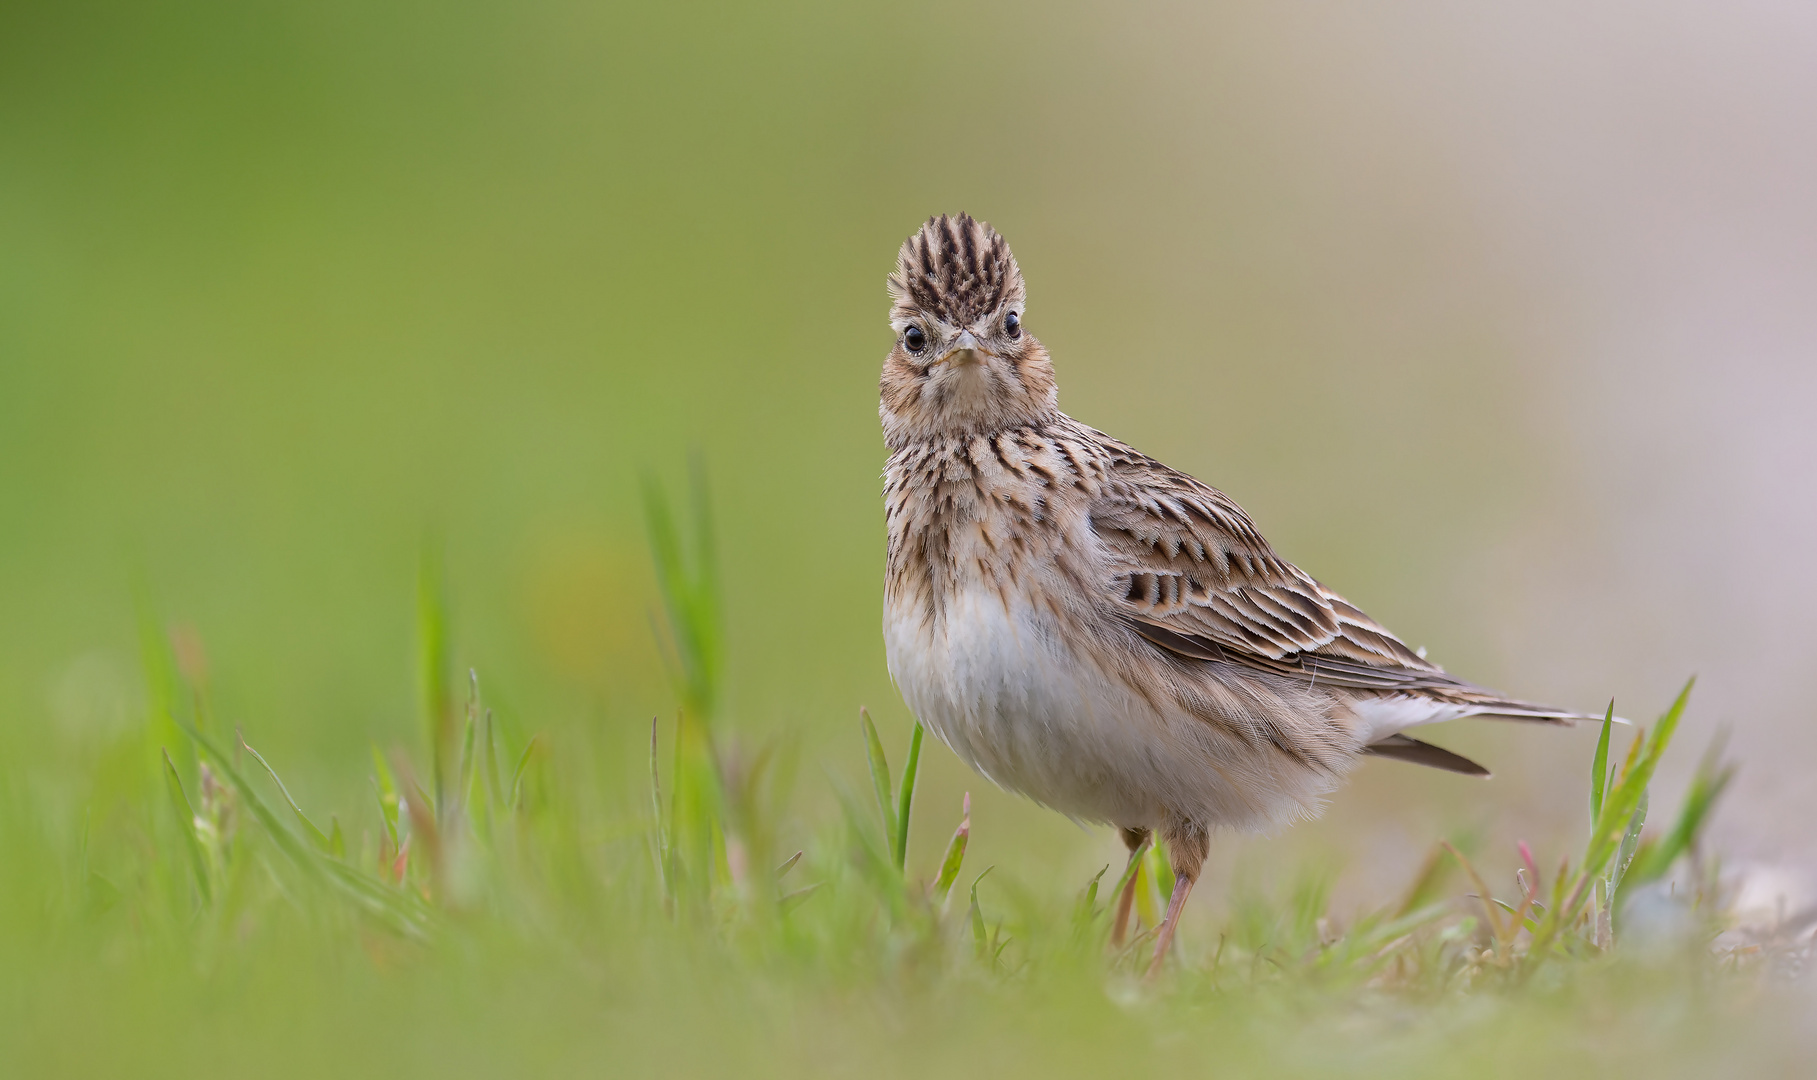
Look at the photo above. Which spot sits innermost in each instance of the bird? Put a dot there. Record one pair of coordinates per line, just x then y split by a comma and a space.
1096, 631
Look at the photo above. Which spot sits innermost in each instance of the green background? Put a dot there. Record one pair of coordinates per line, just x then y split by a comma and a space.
286, 288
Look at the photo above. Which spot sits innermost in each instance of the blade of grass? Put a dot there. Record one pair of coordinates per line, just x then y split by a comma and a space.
517, 775
493, 784
1611, 826
794, 899
315, 834
707, 609
980, 936
880, 781
186, 822
162, 729
463, 786
1160, 869
1608, 891
955, 853
403, 912
433, 663
1425, 883
1133, 866
471, 790
1085, 909
1707, 785
1482, 892
907, 796
1624, 855
689, 589
386, 790
660, 823
874, 865
1599, 765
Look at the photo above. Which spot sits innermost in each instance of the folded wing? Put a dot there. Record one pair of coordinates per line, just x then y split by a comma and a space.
1193, 576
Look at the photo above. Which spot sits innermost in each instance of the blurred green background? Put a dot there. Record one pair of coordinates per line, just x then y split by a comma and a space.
1498, 322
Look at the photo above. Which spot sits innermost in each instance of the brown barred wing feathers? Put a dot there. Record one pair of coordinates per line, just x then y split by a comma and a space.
1192, 574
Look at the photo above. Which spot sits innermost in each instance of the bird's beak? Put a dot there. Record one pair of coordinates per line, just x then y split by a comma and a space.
965, 349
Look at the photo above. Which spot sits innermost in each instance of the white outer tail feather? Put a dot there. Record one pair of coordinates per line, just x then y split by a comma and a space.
1392, 714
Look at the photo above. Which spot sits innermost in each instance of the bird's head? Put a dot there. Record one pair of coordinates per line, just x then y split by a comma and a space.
963, 363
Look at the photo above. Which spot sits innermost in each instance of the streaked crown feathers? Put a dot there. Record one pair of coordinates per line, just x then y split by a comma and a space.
956, 269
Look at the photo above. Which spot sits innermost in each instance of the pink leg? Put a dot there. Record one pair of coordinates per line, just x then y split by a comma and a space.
1187, 845
1135, 839
1182, 888
1120, 928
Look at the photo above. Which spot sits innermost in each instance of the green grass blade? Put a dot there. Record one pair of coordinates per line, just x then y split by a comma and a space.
1486, 897
1426, 882
907, 796
381, 771
1521, 915
874, 865
285, 839
517, 775
1619, 801
494, 786
1087, 904
981, 941
405, 913
955, 853
793, 900
316, 835
433, 695
706, 607
1086, 910
1631, 783
1160, 867
1611, 826
658, 819
1707, 786
1624, 855
384, 789
690, 590
1599, 766
463, 788
162, 729
1134, 866
880, 782
186, 822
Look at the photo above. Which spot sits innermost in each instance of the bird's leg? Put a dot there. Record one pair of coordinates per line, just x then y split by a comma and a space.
1182, 888
1187, 846
1136, 840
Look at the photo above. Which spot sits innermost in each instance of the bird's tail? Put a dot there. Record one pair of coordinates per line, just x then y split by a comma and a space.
1383, 715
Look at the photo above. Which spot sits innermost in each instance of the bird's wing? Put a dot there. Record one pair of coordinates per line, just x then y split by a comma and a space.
1193, 575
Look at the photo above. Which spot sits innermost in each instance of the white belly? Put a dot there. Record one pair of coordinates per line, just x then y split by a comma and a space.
1032, 714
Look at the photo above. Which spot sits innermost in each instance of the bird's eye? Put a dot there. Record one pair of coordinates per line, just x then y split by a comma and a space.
914, 339
1012, 325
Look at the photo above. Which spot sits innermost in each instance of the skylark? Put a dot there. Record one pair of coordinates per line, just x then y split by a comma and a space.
1099, 632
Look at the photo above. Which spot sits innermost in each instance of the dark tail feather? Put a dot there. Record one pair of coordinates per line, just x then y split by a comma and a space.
1401, 748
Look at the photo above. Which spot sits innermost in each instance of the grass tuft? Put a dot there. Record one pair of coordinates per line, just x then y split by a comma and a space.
529, 862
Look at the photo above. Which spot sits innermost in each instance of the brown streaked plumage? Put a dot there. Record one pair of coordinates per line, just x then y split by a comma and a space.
1095, 630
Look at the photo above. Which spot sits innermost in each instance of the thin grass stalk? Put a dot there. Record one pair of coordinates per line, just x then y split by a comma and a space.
433, 664
907, 796
880, 782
